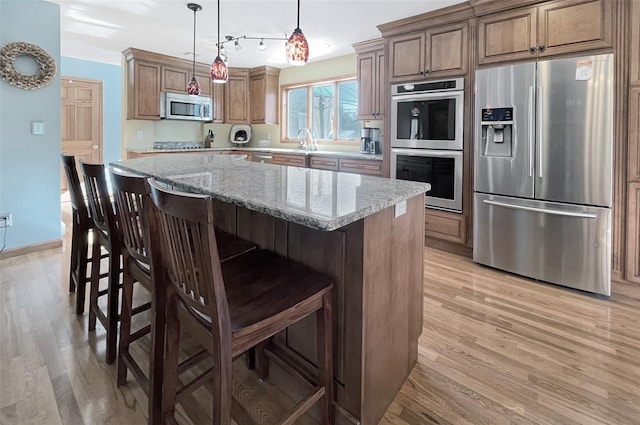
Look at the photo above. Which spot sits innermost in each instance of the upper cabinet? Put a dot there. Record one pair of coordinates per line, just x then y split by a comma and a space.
436, 52
552, 28
143, 88
371, 79
264, 84
236, 97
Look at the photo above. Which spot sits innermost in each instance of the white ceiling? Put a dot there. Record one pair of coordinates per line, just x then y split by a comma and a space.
99, 30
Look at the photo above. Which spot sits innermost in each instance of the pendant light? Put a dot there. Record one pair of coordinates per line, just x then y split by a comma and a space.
193, 87
297, 46
219, 71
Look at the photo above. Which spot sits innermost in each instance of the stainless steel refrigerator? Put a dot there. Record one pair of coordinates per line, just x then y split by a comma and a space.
543, 170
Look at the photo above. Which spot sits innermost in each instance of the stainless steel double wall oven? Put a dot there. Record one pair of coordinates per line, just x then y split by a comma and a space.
426, 138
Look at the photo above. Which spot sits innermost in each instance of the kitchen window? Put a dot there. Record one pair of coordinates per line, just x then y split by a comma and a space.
327, 108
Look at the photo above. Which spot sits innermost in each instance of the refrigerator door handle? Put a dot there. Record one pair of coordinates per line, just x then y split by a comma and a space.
531, 131
540, 127
540, 210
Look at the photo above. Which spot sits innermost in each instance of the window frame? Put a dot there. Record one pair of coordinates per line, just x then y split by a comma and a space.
309, 85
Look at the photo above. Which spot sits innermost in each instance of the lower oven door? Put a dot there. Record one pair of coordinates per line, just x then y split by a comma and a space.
442, 169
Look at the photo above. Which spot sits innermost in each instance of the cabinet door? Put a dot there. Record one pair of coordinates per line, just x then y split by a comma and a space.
236, 104
406, 55
323, 162
367, 86
218, 102
568, 26
379, 86
446, 50
634, 135
174, 79
258, 89
634, 75
289, 159
204, 79
632, 267
507, 36
444, 225
145, 87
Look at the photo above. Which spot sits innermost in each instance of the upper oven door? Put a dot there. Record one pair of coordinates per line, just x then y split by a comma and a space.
427, 120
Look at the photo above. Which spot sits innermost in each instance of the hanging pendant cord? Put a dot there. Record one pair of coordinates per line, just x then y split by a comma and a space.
194, 43
219, 28
298, 26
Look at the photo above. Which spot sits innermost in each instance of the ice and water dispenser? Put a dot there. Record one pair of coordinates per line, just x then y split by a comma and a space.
497, 132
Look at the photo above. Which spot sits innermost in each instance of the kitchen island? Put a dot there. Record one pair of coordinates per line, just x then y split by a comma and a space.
366, 233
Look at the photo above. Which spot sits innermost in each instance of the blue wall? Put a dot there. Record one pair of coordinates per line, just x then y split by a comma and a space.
111, 76
30, 164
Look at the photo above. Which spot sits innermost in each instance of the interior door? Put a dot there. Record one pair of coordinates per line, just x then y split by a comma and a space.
511, 174
575, 130
81, 120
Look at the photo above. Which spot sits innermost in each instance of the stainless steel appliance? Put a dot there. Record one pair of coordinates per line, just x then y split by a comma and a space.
440, 168
543, 170
427, 115
365, 140
177, 106
370, 140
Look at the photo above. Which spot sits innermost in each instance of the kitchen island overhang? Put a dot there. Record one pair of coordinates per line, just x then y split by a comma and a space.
366, 233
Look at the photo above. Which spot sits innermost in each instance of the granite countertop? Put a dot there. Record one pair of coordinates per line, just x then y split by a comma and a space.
319, 199
357, 155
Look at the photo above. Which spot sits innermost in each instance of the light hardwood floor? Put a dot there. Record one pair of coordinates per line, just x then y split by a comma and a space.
495, 349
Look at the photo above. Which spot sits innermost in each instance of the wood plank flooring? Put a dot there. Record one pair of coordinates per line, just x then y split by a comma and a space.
495, 349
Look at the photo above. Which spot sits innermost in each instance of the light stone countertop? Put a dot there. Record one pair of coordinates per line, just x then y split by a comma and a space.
319, 199
341, 154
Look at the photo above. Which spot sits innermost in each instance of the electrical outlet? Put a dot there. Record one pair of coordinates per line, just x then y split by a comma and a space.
5, 220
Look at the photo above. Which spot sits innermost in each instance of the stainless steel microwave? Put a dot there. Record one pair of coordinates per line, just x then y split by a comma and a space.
174, 106
428, 114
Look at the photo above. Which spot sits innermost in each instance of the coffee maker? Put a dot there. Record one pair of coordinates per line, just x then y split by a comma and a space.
365, 140
370, 141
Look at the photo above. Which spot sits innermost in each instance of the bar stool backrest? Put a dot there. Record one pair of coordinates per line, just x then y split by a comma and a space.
101, 208
78, 202
189, 256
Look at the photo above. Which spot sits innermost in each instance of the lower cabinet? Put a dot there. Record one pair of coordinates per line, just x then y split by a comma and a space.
324, 163
445, 225
369, 167
632, 267
293, 160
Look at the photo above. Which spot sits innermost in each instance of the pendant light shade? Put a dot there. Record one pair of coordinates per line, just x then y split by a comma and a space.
297, 45
219, 71
193, 87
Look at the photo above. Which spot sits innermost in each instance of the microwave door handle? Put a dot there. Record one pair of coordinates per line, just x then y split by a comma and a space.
202, 110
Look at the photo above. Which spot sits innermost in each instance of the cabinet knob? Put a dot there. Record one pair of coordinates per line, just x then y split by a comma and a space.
542, 47
426, 71
532, 49
94, 146
421, 72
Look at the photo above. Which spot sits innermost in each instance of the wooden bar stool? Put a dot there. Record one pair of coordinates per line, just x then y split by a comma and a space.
105, 236
131, 195
80, 234
230, 307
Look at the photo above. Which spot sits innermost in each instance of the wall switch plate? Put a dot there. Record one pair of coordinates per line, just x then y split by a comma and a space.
400, 208
140, 135
37, 127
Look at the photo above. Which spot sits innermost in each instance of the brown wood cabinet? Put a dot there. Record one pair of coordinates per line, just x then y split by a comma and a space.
143, 89
264, 85
445, 225
371, 79
370, 167
323, 162
291, 159
236, 97
437, 52
552, 28
217, 91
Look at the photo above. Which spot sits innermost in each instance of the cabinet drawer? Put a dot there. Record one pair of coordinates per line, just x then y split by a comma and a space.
448, 226
292, 160
361, 166
324, 163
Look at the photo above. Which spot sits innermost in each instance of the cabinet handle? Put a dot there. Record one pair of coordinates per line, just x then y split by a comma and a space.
542, 47
426, 71
532, 49
421, 72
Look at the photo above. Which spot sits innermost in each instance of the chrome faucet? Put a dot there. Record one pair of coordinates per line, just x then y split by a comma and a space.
306, 143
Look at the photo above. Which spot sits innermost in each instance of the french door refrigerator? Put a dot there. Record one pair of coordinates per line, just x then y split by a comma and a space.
543, 170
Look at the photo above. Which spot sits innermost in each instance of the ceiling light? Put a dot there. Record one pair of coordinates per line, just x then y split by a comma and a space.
262, 47
193, 87
237, 44
297, 45
219, 70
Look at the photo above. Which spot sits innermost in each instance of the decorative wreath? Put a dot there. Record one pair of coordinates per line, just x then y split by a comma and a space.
46, 65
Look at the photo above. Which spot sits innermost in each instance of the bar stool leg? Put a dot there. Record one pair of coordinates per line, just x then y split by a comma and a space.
112, 306
325, 359
95, 284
